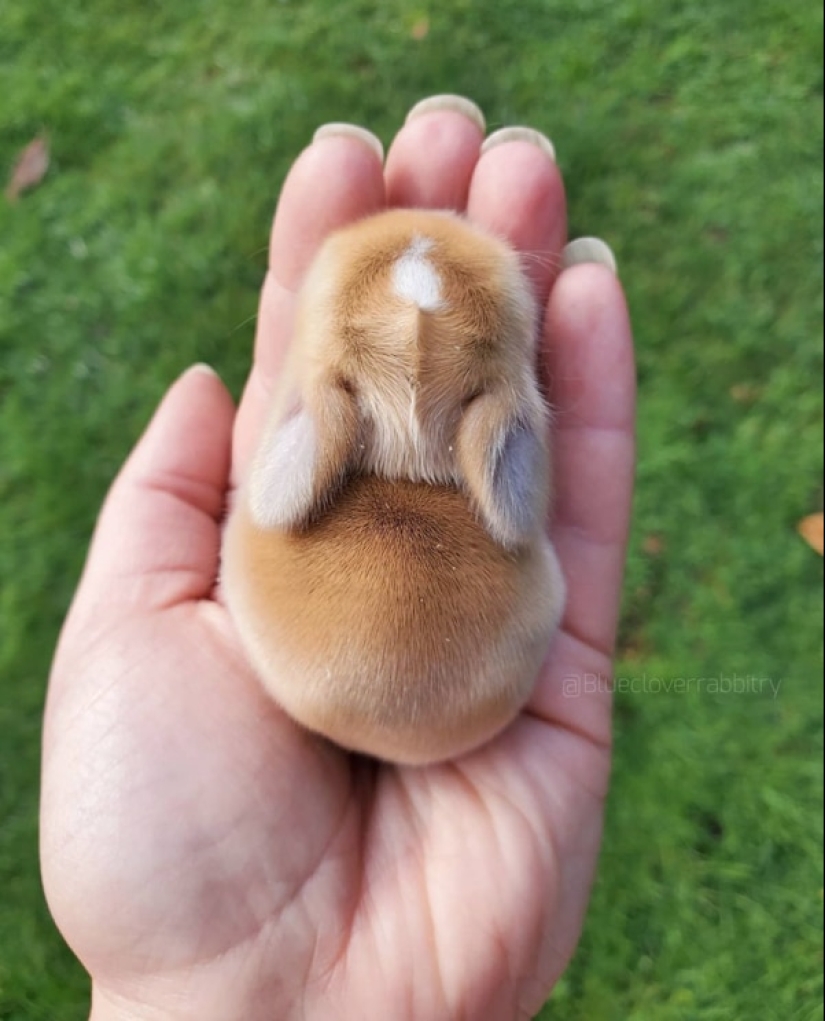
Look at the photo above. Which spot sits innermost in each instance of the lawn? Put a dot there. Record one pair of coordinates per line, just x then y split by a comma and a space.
691, 136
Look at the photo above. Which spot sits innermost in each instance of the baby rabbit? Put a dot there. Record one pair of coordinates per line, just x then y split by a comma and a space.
386, 562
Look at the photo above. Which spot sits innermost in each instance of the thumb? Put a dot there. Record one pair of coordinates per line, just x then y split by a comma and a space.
158, 535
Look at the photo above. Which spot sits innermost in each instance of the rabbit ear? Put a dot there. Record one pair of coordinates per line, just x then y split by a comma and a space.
503, 457
305, 460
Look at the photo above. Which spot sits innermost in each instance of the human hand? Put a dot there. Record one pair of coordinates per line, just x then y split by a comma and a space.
207, 859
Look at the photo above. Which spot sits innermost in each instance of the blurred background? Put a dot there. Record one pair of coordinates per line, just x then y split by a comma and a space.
691, 138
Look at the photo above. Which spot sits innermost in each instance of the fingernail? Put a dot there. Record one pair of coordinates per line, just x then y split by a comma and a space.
203, 368
588, 250
455, 104
337, 130
518, 134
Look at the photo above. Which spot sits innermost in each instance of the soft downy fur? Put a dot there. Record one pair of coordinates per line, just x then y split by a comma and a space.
386, 562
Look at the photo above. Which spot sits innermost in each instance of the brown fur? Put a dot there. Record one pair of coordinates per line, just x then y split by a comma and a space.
394, 625
394, 605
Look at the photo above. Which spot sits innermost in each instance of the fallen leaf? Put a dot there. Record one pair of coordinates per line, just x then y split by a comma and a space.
421, 29
811, 530
635, 649
653, 545
30, 168
718, 235
744, 393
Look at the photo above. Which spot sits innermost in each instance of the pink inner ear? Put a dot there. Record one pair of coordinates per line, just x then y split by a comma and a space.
282, 484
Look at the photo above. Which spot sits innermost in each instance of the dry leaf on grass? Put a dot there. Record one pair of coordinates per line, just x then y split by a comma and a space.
30, 168
745, 393
653, 545
421, 29
811, 530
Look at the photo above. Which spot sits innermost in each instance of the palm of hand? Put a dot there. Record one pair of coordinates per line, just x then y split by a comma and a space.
204, 857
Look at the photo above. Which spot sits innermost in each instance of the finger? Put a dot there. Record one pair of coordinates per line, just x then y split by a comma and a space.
157, 539
593, 390
431, 160
589, 360
517, 193
336, 180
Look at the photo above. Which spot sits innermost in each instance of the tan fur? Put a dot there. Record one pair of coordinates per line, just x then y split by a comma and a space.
392, 603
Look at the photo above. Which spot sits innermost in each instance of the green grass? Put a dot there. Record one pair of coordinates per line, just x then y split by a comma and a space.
691, 135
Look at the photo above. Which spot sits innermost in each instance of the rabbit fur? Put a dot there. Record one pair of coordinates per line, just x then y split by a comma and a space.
386, 560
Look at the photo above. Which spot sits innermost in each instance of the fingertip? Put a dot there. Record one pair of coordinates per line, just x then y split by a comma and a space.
335, 180
341, 129
589, 350
203, 369
200, 385
449, 101
190, 431
516, 133
588, 250
592, 290
517, 193
431, 160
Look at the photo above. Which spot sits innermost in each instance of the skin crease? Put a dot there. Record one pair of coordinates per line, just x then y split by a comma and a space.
208, 860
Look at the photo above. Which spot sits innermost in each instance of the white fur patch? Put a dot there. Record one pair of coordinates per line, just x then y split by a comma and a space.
415, 431
281, 485
415, 279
